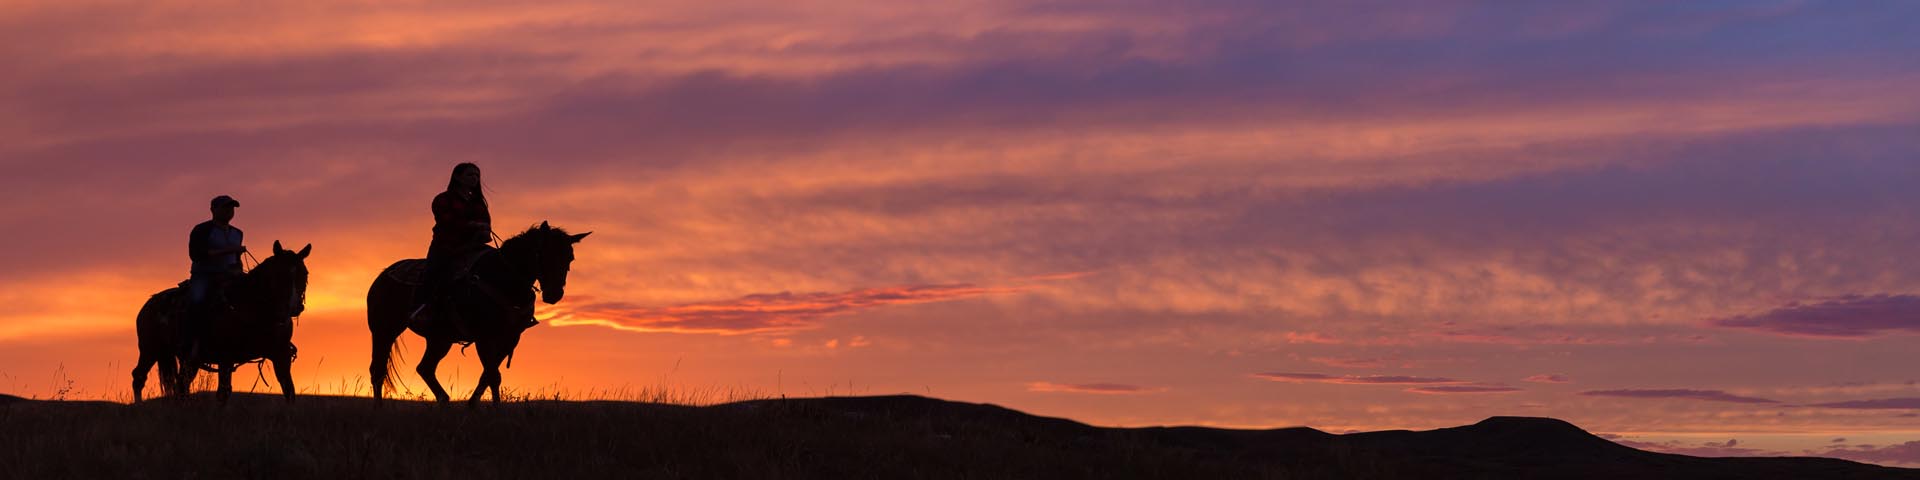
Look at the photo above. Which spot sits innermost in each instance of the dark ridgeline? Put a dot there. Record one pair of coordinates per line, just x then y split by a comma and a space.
489, 306
256, 323
865, 437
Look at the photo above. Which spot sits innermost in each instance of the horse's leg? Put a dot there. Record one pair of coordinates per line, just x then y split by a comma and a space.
226, 383
140, 373
283, 370
429, 362
494, 386
490, 356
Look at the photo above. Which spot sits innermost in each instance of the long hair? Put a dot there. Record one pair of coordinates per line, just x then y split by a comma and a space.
453, 182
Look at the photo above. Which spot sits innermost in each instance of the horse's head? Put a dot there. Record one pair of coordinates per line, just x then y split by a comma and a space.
284, 276
551, 252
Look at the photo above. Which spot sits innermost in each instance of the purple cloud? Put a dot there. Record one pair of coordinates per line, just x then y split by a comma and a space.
1729, 448
1091, 388
1851, 316
1549, 378
1905, 453
1707, 395
1463, 389
762, 312
1349, 362
1354, 379
1876, 404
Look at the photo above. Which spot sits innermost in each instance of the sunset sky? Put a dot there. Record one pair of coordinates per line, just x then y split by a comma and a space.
1690, 226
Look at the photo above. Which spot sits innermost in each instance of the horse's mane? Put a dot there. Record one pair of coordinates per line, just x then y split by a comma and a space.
532, 233
250, 281
271, 260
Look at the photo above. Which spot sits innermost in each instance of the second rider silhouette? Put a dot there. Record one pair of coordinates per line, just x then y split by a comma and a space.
462, 227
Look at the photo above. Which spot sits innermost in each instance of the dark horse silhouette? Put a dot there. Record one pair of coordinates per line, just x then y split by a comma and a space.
490, 304
256, 324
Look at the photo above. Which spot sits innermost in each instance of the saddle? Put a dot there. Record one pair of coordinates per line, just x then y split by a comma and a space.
178, 303
413, 272
410, 272
175, 302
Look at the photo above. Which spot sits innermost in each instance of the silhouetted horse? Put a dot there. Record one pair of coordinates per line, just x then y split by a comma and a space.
256, 323
491, 303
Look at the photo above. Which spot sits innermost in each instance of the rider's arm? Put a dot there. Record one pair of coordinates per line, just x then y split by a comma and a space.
197, 248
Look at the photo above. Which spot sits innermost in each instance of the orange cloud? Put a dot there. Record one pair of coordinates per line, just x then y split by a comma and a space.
1687, 394
1091, 388
1549, 378
1349, 362
1354, 379
761, 313
1462, 389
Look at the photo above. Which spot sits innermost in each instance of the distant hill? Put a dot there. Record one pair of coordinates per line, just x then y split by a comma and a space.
838, 437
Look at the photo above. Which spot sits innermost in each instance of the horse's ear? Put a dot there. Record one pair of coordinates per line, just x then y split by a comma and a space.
578, 238
276, 247
543, 225
306, 250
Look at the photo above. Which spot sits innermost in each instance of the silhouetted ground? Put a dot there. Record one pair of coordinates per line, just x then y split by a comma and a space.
257, 436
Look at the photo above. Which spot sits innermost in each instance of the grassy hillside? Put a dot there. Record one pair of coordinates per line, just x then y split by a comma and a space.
855, 437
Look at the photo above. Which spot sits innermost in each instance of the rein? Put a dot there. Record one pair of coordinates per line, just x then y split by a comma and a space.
500, 298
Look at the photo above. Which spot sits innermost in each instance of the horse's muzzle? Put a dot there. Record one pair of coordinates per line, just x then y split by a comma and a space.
552, 296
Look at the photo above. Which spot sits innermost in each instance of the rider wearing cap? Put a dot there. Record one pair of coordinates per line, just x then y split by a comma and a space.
215, 247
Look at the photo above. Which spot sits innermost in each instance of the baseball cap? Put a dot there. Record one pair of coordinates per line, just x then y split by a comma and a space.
224, 200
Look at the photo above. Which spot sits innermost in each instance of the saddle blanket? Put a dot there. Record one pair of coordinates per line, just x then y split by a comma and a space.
411, 272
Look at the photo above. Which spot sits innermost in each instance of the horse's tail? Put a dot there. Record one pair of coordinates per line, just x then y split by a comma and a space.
388, 363
387, 302
393, 367
170, 375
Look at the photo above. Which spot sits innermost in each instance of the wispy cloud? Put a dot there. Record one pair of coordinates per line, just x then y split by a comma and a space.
1549, 378
1729, 448
761, 313
1850, 316
1513, 339
1091, 388
1353, 379
1349, 362
1706, 395
1463, 389
1875, 404
1905, 453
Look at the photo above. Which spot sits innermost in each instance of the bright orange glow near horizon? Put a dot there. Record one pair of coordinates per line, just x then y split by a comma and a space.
1677, 224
